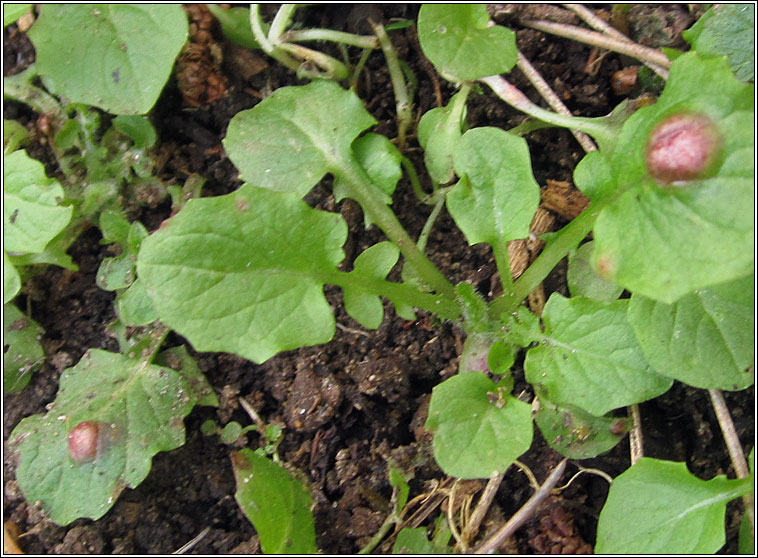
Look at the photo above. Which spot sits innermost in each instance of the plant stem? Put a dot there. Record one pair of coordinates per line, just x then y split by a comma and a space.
636, 447
735, 449
602, 132
503, 264
579, 34
20, 88
527, 510
403, 103
281, 21
482, 506
362, 41
445, 307
566, 239
424, 236
422, 196
363, 191
552, 99
334, 68
600, 25
256, 24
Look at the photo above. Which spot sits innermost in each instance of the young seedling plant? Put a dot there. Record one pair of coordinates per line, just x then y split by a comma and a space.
671, 191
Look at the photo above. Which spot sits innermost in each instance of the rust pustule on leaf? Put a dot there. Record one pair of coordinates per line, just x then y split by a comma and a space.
682, 147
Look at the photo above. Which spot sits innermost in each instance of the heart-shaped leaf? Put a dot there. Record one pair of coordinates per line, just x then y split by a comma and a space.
116, 57
478, 429
458, 40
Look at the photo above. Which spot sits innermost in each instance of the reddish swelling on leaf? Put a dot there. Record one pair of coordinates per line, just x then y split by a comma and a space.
82, 442
682, 147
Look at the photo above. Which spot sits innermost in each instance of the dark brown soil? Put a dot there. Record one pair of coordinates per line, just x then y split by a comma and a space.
350, 406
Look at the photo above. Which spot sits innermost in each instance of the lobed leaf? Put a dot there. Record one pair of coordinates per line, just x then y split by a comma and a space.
658, 507
244, 272
375, 262
704, 339
139, 408
116, 57
589, 357
276, 503
478, 430
459, 42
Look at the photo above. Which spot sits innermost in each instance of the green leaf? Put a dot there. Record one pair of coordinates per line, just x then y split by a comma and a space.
381, 161
138, 128
593, 177
139, 408
589, 357
244, 272
457, 40
116, 57
11, 12
23, 351
134, 306
439, 131
276, 503
413, 540
375, 262
177, 358
288, 141
32, 210
704, 339
11, 280
497, 195
478, 430
235, 25
727, 29
666, 242
658, 507
584, 281
14, 136
577, 434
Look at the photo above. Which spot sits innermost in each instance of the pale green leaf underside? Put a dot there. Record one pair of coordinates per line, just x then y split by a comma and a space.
288, 141
705, 339
244, 273
141, 407
116, 57
729, 30
497, 195
473, 438
276, 503
456, 38
589, 357
439, 131
658, 507
32, 214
